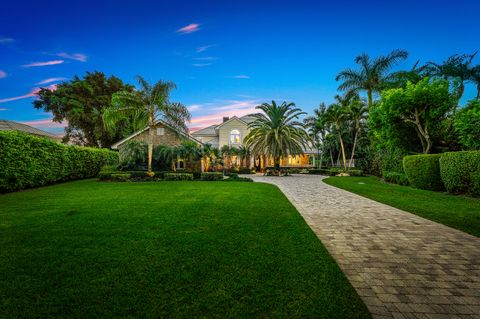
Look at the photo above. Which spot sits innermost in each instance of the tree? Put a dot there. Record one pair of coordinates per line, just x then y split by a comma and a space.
145, 107
317, 129
277, 132
372, 76
456, 68
81, 102
337, 115
227, 152
132, 155
475, 78
357, 113
244, 153
414, 75
421, 105
467, 125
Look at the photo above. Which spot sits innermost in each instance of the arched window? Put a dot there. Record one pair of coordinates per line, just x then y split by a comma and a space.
234, 137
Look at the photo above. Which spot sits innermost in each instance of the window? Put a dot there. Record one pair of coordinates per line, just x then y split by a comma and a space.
234, 137
160, 131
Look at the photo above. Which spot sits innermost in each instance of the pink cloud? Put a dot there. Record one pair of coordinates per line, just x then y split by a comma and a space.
46, 63
3, 74
45, 123
50, 80
238, 108
193, 27
32, 93
76, 56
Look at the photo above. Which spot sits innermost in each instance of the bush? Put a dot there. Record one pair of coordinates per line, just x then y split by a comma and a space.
236, 178
318, 171
334, 171
245, 170
120, 177
212, 176
395, 178
178, 177
459, 171
355, 172
423, 171
28, 161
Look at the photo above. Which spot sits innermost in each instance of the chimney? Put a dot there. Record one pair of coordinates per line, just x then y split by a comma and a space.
225, 118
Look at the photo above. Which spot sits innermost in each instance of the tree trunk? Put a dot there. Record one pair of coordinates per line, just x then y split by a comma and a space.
370, 99
343, 153
331, 158
353, 149
150, 147
277, 162
478, 91
321, 160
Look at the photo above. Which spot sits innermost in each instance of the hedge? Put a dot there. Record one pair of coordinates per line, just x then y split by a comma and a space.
395, 178
423, 171
212, 176
178, 176
28, 161
460, 172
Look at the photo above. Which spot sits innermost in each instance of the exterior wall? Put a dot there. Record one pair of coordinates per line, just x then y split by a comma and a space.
169, 137
224, 132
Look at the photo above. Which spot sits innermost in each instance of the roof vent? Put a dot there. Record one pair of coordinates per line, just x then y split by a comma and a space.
225, 118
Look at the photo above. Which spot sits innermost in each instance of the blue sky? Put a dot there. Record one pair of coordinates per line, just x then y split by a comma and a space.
231, 56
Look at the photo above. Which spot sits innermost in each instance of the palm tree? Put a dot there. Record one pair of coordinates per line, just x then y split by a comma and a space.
337, 115
357, 113
244, 153
207, 155
277, 132
316, 127
145, 107
167, 154
190, 152
475, 78
227, 152
373, 75
456, 67
414, 75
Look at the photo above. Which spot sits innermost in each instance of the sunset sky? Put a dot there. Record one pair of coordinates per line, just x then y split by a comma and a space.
226, 57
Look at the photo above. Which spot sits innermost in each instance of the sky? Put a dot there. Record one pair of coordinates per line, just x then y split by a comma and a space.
226, 57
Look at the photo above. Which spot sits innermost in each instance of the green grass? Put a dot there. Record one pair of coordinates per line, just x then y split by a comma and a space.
459, 212
168, 249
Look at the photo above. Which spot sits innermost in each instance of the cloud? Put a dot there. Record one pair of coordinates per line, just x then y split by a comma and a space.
50, 80
206, 58
241, 76
3, 109
201, 65
4, 40
204, 48
46, 63
32, 93
76, 56
45, 123
194, 107
193, 27
3, 74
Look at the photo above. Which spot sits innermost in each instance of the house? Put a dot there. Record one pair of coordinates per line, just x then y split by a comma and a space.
6, 125
163, 134
233, 130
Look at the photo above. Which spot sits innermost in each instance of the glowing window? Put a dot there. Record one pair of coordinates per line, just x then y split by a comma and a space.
234, 137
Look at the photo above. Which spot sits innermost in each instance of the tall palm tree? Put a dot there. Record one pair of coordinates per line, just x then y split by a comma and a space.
414, 75
145, 107
316, 127
456, 68
337, 115
357, 113
277, 132
372, 76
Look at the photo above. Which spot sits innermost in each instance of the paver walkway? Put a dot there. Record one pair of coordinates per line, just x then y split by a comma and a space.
402, 265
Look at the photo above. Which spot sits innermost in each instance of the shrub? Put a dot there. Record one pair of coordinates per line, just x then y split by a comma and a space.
196, 174
355, 172
211, 176
459, 171
178, 177
120, 177
423, 171
318, 171
245, 170
395, 178
236, 178
28, 161
334, 171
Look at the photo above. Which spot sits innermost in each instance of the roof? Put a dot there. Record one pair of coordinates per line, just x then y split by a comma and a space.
249, 118
209, 130
6, 125
229, 120
116, 145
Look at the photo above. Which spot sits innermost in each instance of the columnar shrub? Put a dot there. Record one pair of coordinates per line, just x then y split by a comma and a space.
212, 176
178, 177
423, 171
28, 161
460, 171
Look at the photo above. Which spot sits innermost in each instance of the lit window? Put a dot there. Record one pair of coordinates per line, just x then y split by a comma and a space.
160, 131
234, 137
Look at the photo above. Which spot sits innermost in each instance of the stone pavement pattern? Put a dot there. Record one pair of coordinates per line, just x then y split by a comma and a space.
401, 265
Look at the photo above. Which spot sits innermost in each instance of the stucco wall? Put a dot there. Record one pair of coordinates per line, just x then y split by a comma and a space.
224, 132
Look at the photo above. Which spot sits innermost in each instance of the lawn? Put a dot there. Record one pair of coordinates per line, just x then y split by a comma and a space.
167, 249
459, 212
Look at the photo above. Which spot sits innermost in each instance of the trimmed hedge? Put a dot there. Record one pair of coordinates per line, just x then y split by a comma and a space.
460, 172
28, 161
395, 178
212, 176
423, 171
178, 177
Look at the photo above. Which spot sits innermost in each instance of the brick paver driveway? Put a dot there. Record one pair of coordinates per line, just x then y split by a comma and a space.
402, 266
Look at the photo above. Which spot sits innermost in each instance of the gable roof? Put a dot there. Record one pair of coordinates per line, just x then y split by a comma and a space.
231, 119
209, 130
6, 125
249, 118
188, 136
